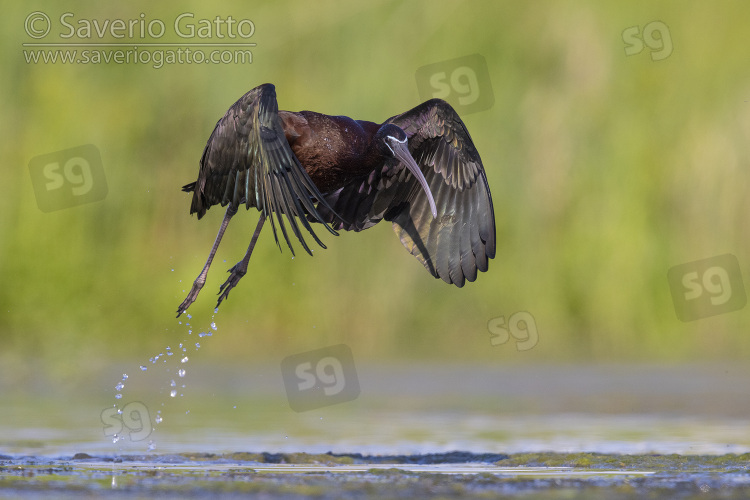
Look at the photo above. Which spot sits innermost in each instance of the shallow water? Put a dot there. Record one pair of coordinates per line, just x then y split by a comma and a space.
405, 411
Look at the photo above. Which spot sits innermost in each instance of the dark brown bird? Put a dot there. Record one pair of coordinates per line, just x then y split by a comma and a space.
419, 169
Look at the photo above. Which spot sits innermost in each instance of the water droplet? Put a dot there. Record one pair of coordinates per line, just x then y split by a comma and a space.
205, 334
173, 384
151, 446
197, 345
158, 419
235, 407
118, 396
119, 386
181, 373
189, 316
124, 376
115, 438
184, 360
213, 325
173, 393
143, 368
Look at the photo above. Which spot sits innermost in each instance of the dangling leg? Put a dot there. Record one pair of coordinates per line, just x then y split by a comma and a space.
239, 269
201, 279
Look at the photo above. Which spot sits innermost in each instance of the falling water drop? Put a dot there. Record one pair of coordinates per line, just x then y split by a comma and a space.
119, 386
184, 360
173, 393
181, 372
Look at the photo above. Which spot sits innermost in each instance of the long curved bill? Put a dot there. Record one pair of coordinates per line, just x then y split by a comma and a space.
401, 151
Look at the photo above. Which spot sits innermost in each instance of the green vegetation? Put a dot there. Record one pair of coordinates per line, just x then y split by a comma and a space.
605, 169
672, 463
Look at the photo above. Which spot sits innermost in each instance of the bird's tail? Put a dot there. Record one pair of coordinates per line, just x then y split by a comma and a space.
196, 206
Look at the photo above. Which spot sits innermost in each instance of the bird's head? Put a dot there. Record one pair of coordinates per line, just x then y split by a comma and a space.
393, 143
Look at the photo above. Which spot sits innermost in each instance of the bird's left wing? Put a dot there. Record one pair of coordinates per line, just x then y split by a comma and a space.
461, 240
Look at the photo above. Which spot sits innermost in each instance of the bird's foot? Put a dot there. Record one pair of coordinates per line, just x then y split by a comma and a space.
236, 274
197, 285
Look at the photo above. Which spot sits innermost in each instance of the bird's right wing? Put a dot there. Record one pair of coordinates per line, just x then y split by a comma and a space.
248, 160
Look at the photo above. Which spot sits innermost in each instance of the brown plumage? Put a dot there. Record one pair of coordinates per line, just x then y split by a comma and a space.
419, 169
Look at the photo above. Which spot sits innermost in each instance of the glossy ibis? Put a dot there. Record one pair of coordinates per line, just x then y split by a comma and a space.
419, 169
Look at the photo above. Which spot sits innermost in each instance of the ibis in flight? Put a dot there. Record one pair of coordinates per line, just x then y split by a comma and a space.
418, 169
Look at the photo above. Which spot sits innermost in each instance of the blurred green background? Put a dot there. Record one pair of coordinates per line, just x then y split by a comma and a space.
605, 170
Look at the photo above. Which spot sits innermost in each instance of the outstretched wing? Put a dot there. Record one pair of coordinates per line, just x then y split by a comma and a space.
248, 160
461, 240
